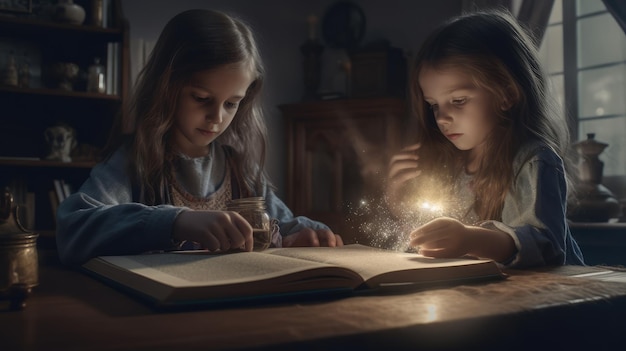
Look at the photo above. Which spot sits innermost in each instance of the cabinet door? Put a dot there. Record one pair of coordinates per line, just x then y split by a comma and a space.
338, 160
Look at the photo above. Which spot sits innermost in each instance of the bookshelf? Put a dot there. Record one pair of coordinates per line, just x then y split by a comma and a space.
36, 40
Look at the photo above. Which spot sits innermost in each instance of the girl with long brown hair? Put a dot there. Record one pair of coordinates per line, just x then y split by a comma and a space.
196, 141
490, 146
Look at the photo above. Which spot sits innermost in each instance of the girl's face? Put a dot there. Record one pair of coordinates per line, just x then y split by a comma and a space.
207, 106
462, 110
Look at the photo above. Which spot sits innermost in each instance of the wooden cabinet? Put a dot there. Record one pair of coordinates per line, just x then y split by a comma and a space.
338, 152
38, 42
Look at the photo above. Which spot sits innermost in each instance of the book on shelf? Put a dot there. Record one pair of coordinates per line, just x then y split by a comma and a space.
54, 203
67, 189
112, 71
183, 278
59, 190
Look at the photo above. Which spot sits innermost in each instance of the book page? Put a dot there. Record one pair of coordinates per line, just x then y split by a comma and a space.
182, 277
378, 266
184, 269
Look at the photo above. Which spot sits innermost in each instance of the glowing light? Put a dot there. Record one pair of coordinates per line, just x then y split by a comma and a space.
599, 111
431, 312
433, 207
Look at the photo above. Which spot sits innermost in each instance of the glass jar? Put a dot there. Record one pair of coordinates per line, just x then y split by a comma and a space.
95, 77
254, 211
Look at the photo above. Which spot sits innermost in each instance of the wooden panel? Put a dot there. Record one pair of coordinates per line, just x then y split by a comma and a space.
338, 152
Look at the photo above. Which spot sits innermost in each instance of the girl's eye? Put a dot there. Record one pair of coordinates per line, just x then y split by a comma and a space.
231, 105
459, 101
201, 99
433, 107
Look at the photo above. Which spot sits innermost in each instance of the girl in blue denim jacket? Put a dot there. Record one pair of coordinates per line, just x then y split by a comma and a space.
196, 141
490, 147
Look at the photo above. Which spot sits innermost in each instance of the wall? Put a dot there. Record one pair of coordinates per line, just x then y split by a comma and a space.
281, 27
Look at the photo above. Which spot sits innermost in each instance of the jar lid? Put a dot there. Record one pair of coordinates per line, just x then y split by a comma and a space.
11, 230
590, 146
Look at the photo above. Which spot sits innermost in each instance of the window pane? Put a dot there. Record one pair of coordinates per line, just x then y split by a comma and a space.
551, 49
557, 90
600, 40
556, 16
584, 7
602, 92
610, 131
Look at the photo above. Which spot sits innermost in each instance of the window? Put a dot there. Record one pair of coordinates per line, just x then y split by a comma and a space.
584, 51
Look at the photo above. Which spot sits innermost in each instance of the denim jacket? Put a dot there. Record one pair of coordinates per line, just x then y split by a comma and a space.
102, 218
534, 212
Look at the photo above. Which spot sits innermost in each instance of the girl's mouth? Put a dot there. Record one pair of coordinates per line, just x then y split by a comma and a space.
207, 132
453, 136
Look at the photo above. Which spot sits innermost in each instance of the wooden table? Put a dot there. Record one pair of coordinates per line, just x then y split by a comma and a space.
530, 310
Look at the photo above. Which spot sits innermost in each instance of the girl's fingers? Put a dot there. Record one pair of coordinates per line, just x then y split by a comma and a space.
402, 166
406, 175
424, 236
338, 240
400, 159
210, 242
243, 232
223, 235
436, 253
413, 147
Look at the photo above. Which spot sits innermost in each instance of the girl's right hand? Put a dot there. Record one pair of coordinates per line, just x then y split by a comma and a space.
217, 231
402, 168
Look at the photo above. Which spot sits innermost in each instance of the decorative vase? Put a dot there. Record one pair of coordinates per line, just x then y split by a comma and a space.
63, 75
68, 12
594, 201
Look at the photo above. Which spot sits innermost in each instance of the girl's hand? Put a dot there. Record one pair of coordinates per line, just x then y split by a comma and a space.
447, 237
442, 237
214, 230
311, 237
402, 168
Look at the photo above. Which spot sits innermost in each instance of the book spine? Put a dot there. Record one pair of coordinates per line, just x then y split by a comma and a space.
58, 187
67, 189
54, 204
106, 9
109, 69
116, 68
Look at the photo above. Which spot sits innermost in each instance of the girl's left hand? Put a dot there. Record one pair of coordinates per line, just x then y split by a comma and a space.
442, 237
312, 237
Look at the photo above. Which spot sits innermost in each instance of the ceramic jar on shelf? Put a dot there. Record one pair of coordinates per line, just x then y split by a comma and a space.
67, 11
594, 202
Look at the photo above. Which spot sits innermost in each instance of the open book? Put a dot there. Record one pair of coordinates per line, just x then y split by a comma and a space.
190, 277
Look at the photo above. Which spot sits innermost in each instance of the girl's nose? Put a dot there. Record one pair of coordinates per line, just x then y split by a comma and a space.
215, 114
443, 117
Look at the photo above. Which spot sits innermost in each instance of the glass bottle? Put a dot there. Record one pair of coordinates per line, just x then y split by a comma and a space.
10, 74
254, 211
95, 77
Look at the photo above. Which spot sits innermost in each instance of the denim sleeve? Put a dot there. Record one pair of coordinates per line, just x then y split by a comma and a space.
101, 219
289, 224
534, 214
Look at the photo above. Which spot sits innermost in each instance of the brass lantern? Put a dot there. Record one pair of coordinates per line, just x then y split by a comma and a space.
19, 266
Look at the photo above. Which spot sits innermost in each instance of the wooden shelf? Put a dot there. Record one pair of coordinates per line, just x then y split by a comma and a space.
44, 163
58, 93
37, 27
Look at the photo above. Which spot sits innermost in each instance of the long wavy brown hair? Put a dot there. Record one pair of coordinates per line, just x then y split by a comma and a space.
499, 55
192, 41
